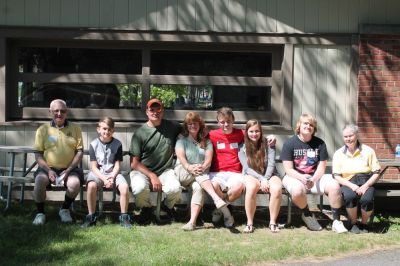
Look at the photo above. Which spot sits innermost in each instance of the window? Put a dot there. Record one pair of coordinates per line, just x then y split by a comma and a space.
208, 97
117, 78
211, 63
78, 60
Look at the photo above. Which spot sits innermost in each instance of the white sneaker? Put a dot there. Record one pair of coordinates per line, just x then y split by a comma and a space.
338, 227
40, 219
229, 221
65, 216
216, 216
311, 222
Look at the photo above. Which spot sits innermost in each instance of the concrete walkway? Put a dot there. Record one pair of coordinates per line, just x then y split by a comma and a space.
390, 257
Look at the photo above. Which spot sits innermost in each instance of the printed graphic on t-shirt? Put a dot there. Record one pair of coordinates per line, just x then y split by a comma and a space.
306, 160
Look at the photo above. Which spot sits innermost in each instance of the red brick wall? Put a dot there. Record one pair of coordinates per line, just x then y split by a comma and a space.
379, 95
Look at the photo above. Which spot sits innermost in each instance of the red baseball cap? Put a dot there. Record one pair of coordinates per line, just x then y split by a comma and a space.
154, 101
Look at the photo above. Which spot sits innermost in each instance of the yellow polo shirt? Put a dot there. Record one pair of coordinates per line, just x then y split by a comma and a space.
58, 145
363, 161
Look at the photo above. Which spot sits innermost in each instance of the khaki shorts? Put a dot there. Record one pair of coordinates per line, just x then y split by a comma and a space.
186, 179
120, 179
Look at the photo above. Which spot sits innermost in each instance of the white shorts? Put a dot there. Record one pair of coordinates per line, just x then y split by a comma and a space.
226, 180
289, 183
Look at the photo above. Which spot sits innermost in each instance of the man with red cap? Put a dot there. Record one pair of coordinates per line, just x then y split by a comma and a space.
152, 156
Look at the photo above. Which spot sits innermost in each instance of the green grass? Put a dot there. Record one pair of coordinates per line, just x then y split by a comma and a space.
21, 243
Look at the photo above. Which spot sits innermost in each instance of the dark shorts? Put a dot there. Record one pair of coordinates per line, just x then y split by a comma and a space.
76, 171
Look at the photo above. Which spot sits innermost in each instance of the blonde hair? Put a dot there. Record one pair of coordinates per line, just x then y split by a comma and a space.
193, 117
310, 119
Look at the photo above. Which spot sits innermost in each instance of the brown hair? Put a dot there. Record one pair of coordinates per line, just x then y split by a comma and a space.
193, 117
107, 120
225, 112
255, 152
310, 119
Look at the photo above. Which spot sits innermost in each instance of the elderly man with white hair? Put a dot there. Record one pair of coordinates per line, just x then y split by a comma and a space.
59, 150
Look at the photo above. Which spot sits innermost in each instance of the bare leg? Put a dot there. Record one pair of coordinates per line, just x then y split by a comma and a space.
91, 196
365, 215
209, 188
352, 214
275, 191
235, 192
217, 189
334, 195
299, 197
194, 213
252, 187
124, 197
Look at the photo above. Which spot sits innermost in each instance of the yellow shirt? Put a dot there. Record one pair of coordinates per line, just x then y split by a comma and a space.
58, 145
363, 161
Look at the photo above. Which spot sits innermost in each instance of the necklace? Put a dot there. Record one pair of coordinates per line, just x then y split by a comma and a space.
195, 142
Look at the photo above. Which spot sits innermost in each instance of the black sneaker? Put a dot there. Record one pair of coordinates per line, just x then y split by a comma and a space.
363, 228
90, 220
167, 213
146, 216
125, 220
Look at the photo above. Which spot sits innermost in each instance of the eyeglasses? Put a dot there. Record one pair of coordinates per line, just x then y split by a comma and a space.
61, 111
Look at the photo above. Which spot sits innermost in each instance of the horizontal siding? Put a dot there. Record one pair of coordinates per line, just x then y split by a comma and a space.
25, 136
262, 16
322, 88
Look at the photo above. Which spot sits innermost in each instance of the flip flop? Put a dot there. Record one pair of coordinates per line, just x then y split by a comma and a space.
274, 228
248, 229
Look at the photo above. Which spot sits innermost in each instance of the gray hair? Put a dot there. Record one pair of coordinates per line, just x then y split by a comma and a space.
58, 101
351, 127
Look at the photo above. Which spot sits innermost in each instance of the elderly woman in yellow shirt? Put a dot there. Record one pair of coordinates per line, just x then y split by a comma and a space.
356, 168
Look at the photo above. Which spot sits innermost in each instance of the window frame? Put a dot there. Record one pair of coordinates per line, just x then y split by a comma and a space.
283, 80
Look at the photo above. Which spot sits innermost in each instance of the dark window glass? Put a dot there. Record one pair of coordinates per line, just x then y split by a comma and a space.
193, 97
77, 60
85, 95
211, 63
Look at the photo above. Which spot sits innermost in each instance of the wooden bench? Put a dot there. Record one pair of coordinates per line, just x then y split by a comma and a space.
384, 188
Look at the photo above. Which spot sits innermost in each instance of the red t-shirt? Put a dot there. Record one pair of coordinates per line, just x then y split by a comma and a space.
226, 147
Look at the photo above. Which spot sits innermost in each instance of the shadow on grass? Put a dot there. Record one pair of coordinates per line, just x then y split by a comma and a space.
22, 243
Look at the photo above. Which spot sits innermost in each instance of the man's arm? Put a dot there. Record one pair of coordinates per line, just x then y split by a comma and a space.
290, 171
137, 165
320, 171
74, 163
43, 164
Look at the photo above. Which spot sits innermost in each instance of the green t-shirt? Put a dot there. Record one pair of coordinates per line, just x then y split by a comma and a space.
155, 145
194, 154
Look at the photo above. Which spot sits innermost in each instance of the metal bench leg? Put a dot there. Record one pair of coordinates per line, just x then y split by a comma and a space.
9, 191
158, 207
81, 196
114, 193
321, 203
100, 197
289, 212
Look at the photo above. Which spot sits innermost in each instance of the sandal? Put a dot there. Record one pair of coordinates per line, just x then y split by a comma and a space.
248, 229
274, 228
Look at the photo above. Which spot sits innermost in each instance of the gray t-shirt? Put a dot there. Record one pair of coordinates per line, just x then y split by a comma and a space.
106, 154
155, 145
269, 162
194, 154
